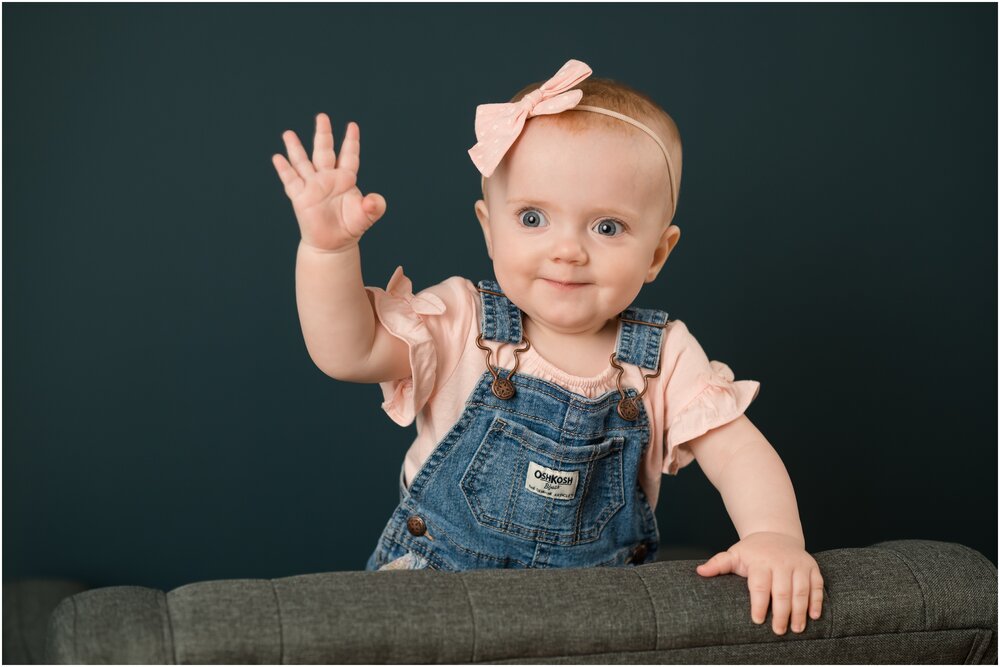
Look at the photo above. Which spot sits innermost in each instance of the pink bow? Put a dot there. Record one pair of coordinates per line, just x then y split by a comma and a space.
499, 125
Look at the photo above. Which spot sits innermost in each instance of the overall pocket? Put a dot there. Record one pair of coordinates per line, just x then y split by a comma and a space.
524, 484
408, 561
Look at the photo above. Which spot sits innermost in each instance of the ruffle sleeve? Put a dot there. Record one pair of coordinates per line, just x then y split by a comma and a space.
717, 400
432, 323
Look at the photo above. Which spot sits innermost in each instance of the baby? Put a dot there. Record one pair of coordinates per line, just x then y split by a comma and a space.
547, 406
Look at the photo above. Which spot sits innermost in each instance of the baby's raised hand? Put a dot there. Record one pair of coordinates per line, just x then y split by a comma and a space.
778, 569
332, 212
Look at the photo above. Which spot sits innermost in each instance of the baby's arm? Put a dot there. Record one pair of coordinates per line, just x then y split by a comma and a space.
343, 336
756, 489
758, 494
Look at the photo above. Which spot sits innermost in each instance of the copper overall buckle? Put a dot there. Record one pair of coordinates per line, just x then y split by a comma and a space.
502, 388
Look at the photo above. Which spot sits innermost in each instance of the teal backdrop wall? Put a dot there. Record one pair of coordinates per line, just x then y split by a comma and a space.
162, 420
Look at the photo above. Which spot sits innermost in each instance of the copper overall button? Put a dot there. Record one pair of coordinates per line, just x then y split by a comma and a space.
639, 554
627, 409
416, 525
503, 389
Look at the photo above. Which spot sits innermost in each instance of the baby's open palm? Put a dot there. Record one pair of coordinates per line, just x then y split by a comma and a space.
331, 211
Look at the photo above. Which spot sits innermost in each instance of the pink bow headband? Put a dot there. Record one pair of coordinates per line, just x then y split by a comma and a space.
499, 125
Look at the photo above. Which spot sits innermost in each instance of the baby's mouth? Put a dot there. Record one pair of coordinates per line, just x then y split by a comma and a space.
564, 286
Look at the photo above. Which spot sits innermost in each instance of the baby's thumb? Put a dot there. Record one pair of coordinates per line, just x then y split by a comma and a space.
720, 563
374, 206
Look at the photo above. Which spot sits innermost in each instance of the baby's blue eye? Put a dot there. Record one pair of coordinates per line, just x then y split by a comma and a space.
531, 218
609, 227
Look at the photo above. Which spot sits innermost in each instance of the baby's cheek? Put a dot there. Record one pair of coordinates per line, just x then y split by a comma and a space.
626, 287
511, 268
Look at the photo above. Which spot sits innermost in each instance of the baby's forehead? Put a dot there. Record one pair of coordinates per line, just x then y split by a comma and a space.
610, 170
595, 154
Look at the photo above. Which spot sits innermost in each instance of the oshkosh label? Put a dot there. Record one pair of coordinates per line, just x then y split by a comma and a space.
550, 483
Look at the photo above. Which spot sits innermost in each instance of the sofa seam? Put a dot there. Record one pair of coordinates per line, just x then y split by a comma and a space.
979, 646
652, 606
170, 627
76, 646
828, 607
913, 573
281, 624
472, 615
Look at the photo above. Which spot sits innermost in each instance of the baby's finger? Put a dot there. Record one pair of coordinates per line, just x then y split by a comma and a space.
350, 149
781, 600
816, 593
759, 583
297, 155
323, 155
800, 599
289, 177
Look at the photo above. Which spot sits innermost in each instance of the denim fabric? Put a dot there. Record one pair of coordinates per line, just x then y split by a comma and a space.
637, 344
548, 478
501, 319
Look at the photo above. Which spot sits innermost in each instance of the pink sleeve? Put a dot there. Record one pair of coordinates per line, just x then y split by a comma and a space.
433, 324
701, 395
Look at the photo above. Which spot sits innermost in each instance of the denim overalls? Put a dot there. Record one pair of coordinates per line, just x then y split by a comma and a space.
541, 478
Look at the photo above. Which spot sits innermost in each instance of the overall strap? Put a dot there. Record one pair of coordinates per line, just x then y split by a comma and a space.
501, 319
640, 334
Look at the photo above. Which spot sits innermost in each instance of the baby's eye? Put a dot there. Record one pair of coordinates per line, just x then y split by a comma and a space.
609, 227
531, 217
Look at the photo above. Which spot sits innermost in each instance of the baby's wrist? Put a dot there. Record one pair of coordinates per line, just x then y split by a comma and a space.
798, 538
343, 250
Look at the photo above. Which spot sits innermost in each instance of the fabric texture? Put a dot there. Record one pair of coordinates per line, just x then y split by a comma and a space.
691, 396
899, 602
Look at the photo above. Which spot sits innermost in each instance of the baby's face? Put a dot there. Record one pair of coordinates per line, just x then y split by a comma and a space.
587, 209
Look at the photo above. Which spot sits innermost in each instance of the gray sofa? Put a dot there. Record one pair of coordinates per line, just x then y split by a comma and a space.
907, 601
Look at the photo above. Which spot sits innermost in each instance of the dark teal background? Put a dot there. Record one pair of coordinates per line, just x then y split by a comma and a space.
163, 422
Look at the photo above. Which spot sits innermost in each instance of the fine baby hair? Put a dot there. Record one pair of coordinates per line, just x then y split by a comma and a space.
548, 406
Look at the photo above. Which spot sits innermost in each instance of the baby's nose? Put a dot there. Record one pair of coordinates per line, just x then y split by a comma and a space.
568, 247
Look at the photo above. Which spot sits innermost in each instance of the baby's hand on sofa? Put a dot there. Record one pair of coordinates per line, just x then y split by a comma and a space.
778, 570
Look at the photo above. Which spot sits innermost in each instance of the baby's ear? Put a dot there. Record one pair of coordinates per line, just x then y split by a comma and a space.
668, 240
483, 213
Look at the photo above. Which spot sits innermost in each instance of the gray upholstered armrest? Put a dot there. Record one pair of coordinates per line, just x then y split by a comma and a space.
895, 602
27, 605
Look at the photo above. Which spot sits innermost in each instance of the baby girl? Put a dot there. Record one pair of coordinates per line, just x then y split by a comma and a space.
547, 405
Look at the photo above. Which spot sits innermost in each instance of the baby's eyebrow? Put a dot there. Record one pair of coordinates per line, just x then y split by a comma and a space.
531, 200
614, 210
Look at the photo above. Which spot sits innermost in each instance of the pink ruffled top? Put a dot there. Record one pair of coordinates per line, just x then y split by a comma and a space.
691, 396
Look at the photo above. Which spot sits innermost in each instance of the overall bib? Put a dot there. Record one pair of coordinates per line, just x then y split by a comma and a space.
533, 475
